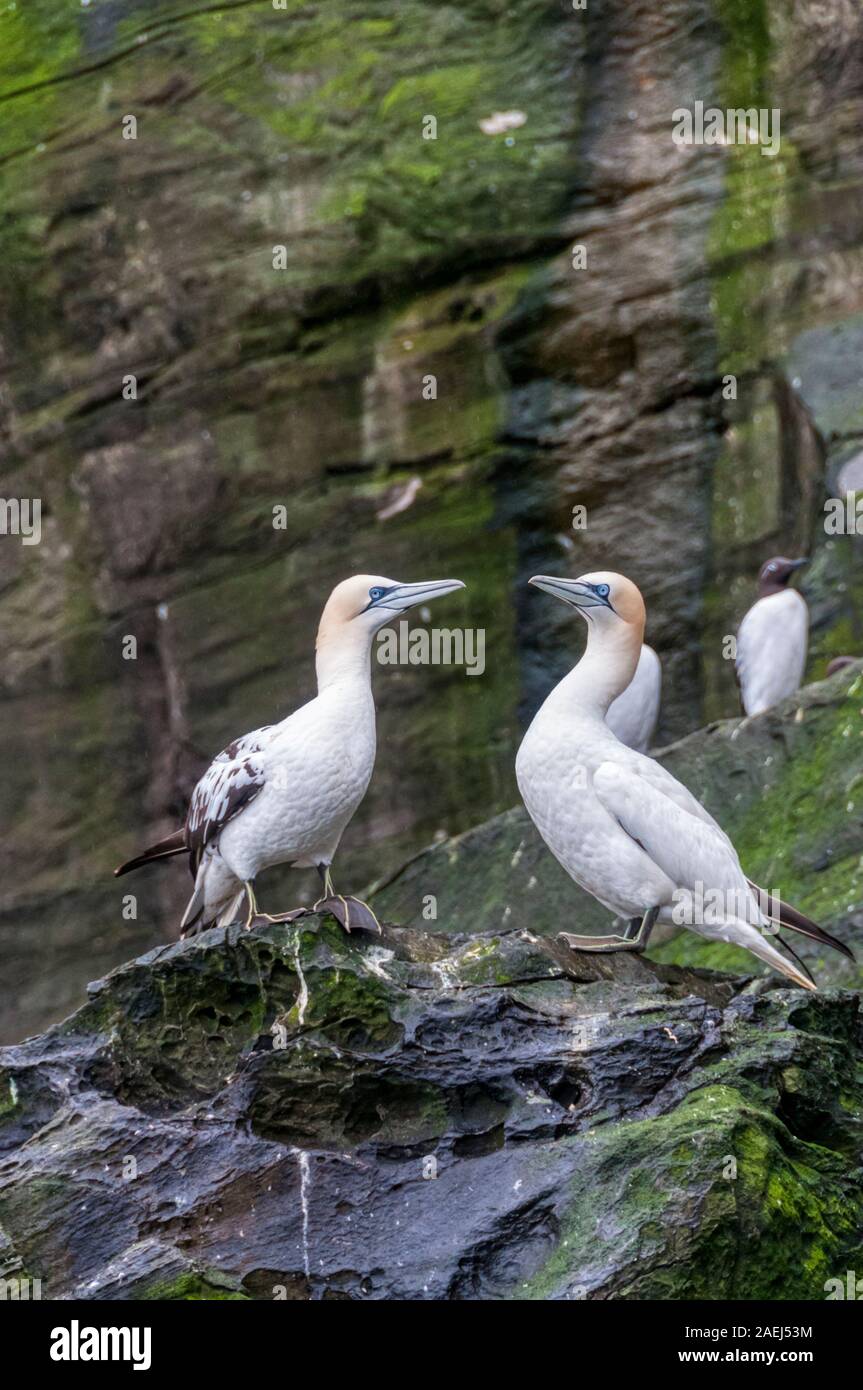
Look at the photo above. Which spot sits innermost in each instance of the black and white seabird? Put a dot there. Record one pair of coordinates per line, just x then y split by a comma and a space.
772, 638
284, 793
619, 823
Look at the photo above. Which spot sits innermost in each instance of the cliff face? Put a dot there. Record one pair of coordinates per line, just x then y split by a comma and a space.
301, 388
295, 1114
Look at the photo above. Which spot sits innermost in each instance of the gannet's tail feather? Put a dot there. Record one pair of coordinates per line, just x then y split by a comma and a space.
172, 844
231, 912
216, 898
787, 916
689, 850
201, 919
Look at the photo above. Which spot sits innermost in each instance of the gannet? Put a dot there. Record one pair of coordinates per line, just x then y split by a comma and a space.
633, 716
772, 639
284, 793
618, 822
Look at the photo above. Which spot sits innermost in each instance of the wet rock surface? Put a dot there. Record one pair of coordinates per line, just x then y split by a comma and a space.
297, 1114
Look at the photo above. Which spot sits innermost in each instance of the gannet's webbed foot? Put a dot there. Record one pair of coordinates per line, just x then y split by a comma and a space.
353, 914
291, 916
634, 938
255, 915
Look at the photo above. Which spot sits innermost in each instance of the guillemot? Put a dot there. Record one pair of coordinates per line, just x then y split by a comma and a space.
284, 793
621, 825
772, 638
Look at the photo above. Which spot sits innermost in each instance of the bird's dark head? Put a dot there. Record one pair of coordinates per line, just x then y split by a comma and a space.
775, 574
840, 663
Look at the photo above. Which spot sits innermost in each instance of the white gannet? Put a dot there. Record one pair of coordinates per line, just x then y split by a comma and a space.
634, 715
284, 793
618, 822
772, 639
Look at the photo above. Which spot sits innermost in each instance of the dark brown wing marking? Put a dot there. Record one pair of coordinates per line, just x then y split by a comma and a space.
232, 780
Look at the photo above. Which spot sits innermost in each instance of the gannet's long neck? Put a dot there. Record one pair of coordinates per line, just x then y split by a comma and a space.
605, 670
343, 655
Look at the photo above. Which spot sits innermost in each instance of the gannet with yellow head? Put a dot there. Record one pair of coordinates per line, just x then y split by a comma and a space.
284, 793
619, 823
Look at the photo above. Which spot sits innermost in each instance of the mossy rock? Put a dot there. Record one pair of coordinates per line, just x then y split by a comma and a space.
293, 1113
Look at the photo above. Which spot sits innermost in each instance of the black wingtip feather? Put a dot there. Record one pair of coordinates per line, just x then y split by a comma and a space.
795, 920
164, 849
804, 969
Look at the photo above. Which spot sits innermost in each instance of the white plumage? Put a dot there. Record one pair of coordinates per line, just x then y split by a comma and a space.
771, 649
305, 780
621, 825
284, 793
634, 715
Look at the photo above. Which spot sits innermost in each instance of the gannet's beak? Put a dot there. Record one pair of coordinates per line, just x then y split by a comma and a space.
798, 564
571, 591
405, 596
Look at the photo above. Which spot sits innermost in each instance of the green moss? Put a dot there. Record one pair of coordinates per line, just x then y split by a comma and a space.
754, 210
351, 1009
38, 42
747, 477
775, 838
191, 1288
8, 1095
773, 1227
792, 809
328, 86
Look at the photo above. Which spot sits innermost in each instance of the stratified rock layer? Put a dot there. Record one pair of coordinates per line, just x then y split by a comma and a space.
295, 1114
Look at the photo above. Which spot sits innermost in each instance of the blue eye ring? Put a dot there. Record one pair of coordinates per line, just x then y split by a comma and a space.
376, 593
603, 590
